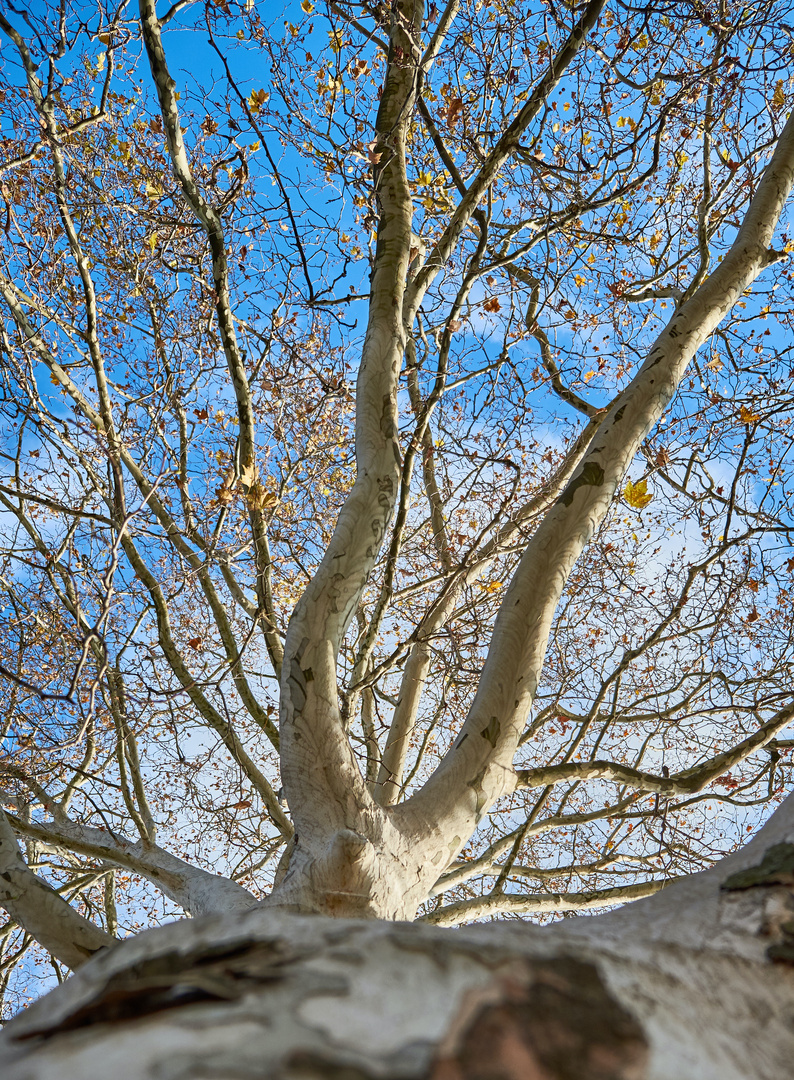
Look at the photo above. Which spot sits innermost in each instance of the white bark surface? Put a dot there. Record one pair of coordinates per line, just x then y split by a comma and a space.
681, 985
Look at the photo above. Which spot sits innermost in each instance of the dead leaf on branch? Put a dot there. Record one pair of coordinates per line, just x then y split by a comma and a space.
260, 498
256, 99
454, 111
249, 475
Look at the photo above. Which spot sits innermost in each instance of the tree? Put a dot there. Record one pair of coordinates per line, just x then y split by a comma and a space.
502, 687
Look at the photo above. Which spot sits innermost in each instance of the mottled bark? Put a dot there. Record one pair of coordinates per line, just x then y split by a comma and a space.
341, 832
694, 983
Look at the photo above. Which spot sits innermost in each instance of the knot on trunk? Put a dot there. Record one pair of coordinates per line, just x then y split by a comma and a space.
344, 874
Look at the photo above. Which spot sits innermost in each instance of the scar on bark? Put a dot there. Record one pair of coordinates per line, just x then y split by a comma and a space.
559, 1024
491, 732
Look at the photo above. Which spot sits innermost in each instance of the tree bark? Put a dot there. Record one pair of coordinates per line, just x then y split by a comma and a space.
693, 983
39, 909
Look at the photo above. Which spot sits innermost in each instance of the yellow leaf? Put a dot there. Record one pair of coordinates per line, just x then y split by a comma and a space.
307, 6
637, 495
254, 146
588, 375
747, 416
257, 98
152, 241
779, 97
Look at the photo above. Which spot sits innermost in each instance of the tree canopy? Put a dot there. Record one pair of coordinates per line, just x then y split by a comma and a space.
396, 509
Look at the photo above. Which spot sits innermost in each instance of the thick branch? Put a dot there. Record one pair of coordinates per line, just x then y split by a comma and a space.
480, 907
195, 890
209, 218
321, 777
478, 768
685, 782
39, 910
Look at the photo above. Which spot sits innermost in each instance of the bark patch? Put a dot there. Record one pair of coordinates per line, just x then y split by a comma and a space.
782, 952
172, 980
776, 868
491, 732
592, 475
561, 1025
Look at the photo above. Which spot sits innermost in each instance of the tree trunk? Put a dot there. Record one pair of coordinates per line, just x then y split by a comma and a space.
693, 983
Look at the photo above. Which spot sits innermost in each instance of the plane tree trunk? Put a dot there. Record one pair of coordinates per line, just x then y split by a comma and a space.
694, 983
353, 856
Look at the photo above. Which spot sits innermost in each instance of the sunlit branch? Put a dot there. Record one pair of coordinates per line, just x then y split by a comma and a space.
539, 904
38, 908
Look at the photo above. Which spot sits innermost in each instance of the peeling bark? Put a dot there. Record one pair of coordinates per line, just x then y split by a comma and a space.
689, 984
